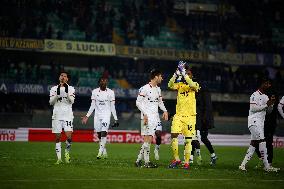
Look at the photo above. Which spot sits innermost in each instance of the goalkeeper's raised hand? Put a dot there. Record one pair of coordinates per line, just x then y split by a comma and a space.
181, 68
177, 73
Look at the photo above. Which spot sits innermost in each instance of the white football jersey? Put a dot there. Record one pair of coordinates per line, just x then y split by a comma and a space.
62, 109
101, 100
149, 100
258, 108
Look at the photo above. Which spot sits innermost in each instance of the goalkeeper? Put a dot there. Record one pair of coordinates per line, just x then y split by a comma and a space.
185, 118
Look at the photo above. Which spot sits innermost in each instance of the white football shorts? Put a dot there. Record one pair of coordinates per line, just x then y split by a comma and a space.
257, 132
101, 123
60, 125
154, 124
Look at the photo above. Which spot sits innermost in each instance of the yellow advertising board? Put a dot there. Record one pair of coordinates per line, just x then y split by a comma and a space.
13, 43
159, 53
87, 48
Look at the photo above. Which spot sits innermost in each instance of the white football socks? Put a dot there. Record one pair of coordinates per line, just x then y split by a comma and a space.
58, 150
102, 145
263, 153
146, 152
248, 155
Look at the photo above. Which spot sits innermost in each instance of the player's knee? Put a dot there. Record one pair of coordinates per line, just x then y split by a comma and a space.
158, 133
158, 140
103, 134
204, 139
195, 144
174, 135
187, 140
99, 135
254, 143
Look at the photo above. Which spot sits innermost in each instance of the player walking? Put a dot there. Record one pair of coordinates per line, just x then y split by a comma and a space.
148, 101
62, 97
259, 105
103, 102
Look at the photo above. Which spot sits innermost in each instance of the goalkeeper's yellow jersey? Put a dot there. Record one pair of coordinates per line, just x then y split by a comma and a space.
186, 102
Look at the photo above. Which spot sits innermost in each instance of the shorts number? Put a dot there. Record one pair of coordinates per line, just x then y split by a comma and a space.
189, 127
69, 123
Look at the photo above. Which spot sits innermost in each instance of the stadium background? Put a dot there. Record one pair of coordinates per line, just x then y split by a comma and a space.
124, 40
229, 44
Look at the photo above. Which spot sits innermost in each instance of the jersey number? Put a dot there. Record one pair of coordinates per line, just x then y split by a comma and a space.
189, 127
69, 123
185, 93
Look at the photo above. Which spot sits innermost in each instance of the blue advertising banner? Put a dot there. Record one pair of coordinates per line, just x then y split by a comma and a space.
44, 89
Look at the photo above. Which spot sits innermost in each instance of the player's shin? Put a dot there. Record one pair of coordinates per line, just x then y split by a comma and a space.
248, 155
68, 145
147, 152
58, 150
175, 148
141, 153
102, 146
263, 154
187, 150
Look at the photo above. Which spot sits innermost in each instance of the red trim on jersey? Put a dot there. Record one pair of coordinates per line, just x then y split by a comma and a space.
141, 95
259, 91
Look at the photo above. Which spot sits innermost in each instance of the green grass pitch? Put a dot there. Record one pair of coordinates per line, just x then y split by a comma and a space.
31, 165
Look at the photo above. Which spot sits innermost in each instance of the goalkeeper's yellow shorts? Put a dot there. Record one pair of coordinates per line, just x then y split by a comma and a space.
184, 125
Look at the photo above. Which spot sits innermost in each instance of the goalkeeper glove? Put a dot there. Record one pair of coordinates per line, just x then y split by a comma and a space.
181, 68
177, 73
116, 124
66, 87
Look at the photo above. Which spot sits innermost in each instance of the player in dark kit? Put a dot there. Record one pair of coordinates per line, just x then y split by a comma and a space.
204, 119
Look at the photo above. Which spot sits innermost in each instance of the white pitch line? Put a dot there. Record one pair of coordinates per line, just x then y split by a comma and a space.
121, 179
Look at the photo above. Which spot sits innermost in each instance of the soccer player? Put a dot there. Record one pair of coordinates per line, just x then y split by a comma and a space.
185, 118
148, 101
103, 102
270, 125
280, 107
61, 98
259, 105
204, 119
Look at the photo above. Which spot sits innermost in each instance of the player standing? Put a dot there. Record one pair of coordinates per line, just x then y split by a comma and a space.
103, 102
148, 101
185, 118
259, 105
205, 119
280, 107
62, 97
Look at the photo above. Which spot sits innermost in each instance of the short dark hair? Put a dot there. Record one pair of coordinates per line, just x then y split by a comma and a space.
264, 79
67, 73
155, 73
101, 78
